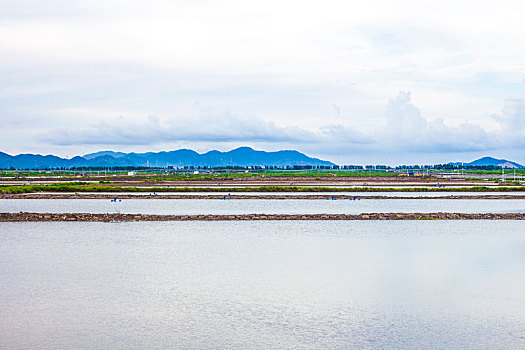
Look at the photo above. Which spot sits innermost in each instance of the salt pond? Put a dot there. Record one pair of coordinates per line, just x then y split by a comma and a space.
261, 206
386, 194
322, 285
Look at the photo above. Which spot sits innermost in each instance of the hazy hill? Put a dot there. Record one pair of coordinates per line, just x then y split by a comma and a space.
487, 161
103, 153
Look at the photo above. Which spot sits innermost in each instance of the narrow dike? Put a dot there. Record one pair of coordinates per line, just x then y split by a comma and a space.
114, 217
246, 196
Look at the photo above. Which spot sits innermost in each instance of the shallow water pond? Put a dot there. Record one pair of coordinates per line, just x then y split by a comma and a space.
263, 285
261, 206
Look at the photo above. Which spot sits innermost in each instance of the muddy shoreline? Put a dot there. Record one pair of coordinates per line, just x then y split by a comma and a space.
115, 217
232, 196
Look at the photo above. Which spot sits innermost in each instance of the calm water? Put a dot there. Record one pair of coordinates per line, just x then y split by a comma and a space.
387, 194
263, 285
267, 206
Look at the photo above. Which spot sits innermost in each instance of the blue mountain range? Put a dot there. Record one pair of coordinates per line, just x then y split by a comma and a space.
243, 156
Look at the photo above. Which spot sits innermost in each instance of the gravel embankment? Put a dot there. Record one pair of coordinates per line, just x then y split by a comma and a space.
86, 217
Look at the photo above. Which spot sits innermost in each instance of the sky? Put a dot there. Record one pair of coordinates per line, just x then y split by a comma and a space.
354, 82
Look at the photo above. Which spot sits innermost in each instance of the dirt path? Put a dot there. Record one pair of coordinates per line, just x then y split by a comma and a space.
88, 217
232, 196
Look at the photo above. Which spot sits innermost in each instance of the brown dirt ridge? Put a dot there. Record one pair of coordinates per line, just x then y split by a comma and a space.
44, 195
115, 217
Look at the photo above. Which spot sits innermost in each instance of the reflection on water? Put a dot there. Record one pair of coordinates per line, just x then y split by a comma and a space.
358, 284
261, 206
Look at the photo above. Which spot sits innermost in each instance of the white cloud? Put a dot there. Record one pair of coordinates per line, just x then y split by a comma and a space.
404, 129
409, 130
512, 121
220, 127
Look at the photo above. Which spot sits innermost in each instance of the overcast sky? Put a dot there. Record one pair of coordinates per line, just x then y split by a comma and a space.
349, 81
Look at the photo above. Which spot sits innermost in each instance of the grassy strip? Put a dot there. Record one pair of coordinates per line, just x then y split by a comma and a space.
79, 187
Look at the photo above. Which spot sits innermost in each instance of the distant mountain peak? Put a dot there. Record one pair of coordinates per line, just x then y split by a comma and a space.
491, 161
103, 153
243, 148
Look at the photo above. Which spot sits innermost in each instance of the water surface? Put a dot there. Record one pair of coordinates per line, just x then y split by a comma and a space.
332, 193
263, 285
261, 206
